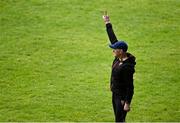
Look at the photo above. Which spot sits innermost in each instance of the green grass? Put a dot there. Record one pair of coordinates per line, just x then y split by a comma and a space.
55, 62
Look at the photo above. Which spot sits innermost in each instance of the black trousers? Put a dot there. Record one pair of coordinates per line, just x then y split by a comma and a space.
119, 112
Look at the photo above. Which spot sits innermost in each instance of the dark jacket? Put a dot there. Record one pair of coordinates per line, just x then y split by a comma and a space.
121, 81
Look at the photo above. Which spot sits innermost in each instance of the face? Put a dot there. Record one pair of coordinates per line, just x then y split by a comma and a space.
117, 52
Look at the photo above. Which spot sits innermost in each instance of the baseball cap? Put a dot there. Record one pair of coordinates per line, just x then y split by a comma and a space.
119, 45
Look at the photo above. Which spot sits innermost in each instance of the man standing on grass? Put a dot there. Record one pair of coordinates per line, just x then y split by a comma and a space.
121, 83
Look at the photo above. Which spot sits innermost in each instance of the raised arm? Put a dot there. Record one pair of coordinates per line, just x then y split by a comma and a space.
109, 29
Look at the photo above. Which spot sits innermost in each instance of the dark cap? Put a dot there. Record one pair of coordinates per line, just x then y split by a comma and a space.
119, 45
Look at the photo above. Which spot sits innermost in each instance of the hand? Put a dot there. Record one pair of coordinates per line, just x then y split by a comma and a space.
106, 17
126, 107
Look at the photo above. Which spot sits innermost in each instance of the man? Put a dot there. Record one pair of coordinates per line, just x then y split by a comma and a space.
121, 82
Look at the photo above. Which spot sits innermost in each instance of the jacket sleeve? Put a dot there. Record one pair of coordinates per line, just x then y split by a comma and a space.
128, 79
111, 34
